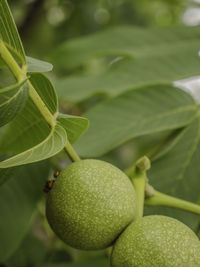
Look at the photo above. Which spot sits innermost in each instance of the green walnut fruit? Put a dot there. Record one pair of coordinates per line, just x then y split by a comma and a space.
90, 204
156, 241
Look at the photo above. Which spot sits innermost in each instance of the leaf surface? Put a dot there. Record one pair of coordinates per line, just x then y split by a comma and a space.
18, 199
147, 110
28, 138
31, 251
177, 173
49, 147
5, 174
9, 33
141, 57
81, 264
12, 100
46, 91
33, 139
131, 41
36, 65
75, 126
26, 130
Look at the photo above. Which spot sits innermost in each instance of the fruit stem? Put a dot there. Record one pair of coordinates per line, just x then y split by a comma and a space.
71, 152
161, 199
139, 185
137, 174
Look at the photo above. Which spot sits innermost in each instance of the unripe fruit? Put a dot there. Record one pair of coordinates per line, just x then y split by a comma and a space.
156, 241
90, 204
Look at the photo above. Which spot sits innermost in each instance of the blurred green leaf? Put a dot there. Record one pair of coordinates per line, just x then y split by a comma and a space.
128, 73
12, 100
138, 112
133, 42
46, 91
75, 126
141, 56
2, 63
5, 174
36, 65
83, 264
59, 255
177, 173
9, 33
18, 199
31, 252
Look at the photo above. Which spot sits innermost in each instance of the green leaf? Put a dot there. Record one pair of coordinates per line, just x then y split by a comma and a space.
82, 264
9, 33
49, 147
18, 199
46, 91
177, 173
130, 41
75, 126
32, 140
60, 255
137, 112
31, 252
12, 100
2, 63
36, 65
5, 174
29, 129
143, 56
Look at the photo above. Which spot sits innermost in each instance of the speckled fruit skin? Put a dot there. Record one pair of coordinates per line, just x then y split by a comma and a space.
90, 204
156, 241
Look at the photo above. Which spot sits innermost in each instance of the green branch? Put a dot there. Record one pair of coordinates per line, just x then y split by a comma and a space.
160, 199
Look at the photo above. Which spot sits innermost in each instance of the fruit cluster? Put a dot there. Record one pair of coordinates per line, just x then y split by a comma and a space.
92, 205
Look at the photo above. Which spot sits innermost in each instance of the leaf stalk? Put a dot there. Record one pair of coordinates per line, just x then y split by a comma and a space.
71, 152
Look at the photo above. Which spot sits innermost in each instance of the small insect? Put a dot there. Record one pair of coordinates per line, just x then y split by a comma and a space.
56, 174
49, 185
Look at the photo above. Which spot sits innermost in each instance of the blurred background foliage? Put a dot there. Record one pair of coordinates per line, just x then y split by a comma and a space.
43, 26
